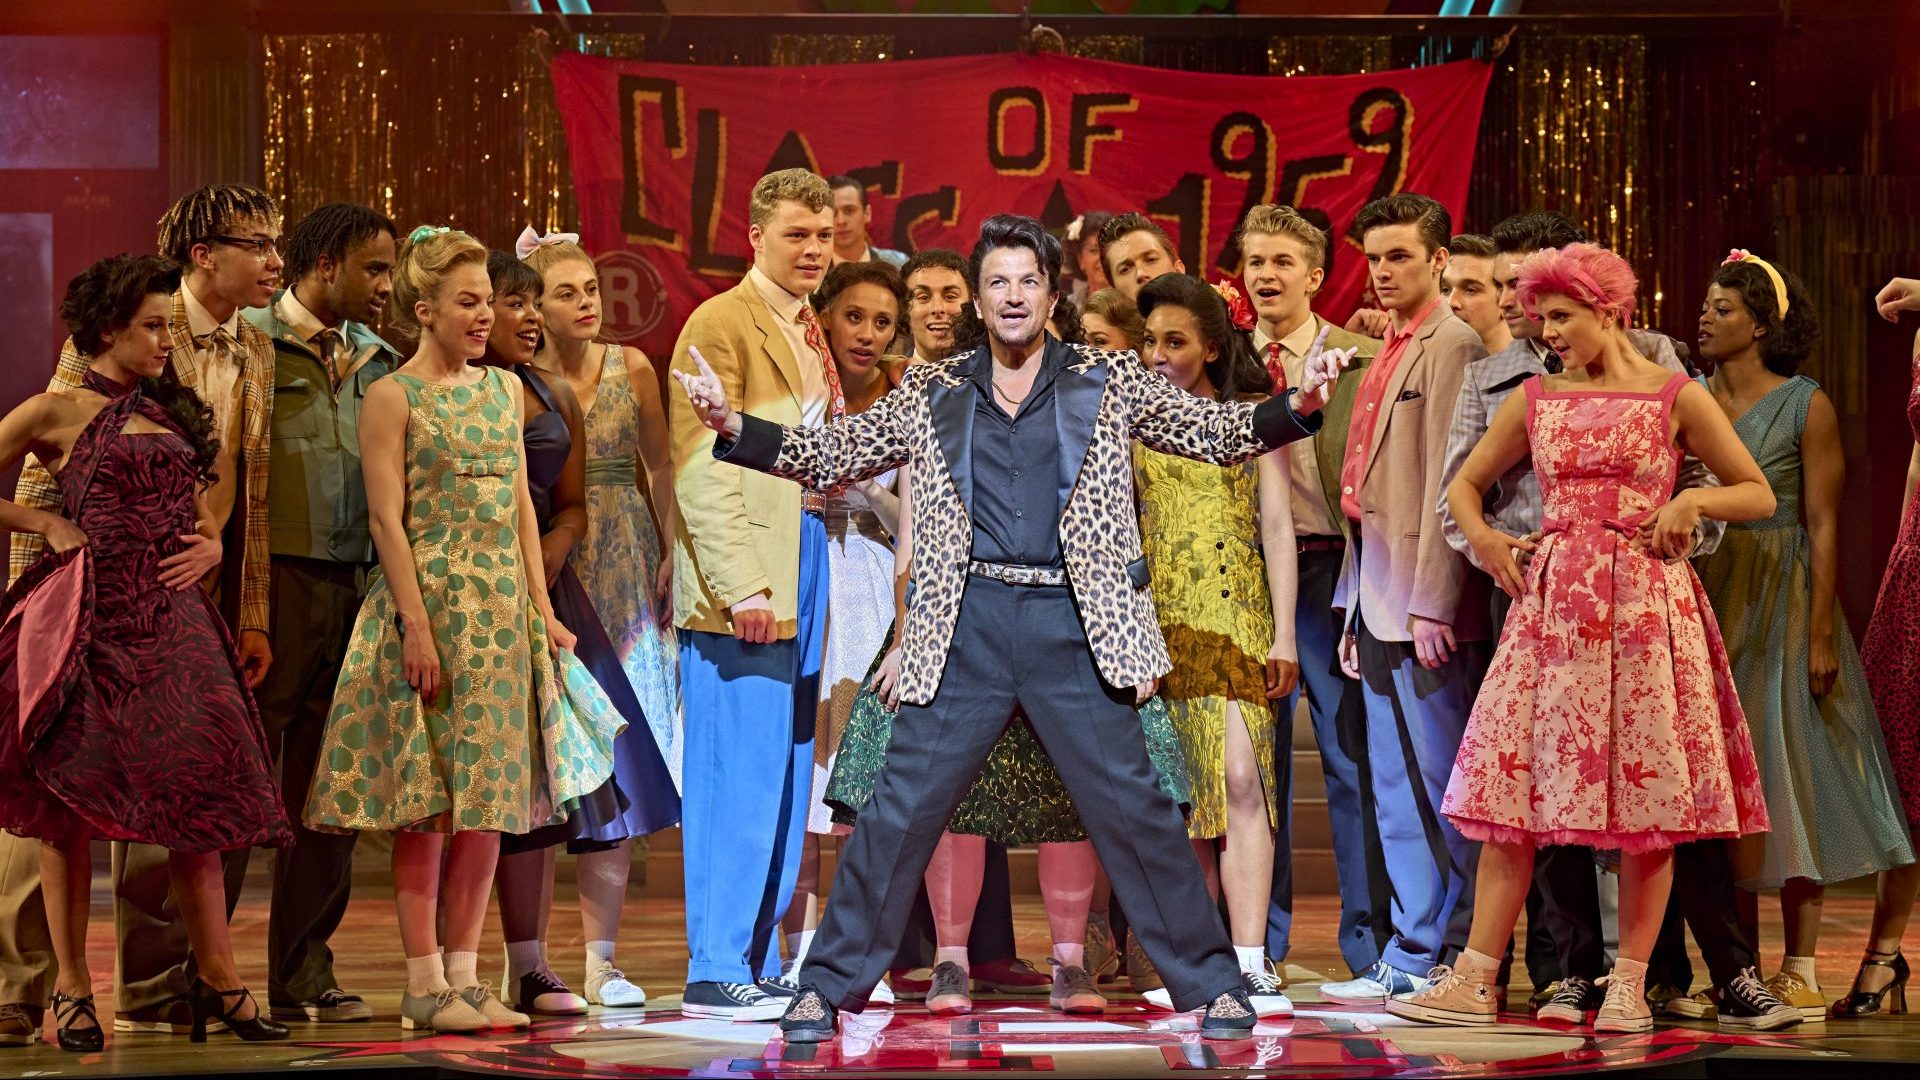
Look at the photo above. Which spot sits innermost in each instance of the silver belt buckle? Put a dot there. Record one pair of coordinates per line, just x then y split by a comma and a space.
1020, 575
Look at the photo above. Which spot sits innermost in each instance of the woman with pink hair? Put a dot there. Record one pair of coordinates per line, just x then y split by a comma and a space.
1609, 717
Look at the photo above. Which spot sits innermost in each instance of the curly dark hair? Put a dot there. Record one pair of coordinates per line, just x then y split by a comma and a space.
1234, 369
1787, 342
846, 275
105, 297
332, 230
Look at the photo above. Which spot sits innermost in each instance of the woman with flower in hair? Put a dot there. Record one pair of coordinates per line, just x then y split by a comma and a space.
1830, 790
1220, 548
1609, 717
459, 714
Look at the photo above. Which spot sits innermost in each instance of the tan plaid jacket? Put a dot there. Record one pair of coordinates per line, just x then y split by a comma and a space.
38, 490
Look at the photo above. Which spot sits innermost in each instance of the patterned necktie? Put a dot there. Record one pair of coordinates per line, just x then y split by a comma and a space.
836, 399
327, 342
218, 344
1277, 370
1552, 363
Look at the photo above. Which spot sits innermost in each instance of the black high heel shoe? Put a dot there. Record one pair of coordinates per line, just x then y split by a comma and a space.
82, 1040
209, 1005
1859, 1003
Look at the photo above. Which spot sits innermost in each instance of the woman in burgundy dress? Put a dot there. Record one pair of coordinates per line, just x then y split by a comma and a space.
123, 714
1893, 674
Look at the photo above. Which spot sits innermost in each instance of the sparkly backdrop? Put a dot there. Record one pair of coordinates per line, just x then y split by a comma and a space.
1649, 141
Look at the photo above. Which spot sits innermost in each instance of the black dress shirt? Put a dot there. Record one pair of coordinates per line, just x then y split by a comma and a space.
1016, 470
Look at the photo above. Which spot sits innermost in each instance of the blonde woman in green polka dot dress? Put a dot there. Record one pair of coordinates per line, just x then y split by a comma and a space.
459, 711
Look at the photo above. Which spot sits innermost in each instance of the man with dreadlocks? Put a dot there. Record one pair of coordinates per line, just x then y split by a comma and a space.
340, 263
226, 240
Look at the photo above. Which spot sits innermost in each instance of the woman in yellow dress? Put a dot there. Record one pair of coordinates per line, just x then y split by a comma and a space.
1219, 543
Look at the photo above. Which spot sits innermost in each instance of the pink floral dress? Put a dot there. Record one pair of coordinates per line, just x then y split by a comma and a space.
1609, 716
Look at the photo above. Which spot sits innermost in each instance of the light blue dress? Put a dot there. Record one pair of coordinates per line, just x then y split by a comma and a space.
1823, 766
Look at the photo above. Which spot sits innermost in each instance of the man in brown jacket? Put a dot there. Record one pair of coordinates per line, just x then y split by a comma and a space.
1416, 612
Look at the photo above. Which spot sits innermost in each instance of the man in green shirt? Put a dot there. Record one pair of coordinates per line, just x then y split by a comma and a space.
340, 259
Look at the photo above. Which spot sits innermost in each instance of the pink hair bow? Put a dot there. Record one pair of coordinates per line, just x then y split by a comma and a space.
530, 241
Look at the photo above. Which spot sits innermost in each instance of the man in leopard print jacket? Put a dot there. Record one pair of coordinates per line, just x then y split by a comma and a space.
1028, 590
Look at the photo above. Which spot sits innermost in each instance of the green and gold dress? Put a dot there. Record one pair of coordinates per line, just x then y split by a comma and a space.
1200, 529
514, 735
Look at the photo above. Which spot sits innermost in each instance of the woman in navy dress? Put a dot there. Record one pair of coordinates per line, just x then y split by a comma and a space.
641, 798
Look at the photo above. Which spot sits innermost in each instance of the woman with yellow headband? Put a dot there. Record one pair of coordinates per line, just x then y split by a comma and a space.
1829, 787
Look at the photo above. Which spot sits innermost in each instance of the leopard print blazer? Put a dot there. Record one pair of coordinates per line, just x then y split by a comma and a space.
1106, 399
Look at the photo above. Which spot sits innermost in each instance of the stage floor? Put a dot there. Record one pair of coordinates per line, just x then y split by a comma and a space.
1004, 1034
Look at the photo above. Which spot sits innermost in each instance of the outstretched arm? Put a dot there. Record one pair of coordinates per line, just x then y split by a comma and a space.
823, 458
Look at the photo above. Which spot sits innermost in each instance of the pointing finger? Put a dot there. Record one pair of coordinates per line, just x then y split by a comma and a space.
700, 361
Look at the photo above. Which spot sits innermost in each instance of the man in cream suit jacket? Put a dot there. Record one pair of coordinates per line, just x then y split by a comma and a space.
1416, 612
750, 594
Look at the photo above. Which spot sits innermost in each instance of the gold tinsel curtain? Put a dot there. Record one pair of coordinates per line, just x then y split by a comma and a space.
459, 130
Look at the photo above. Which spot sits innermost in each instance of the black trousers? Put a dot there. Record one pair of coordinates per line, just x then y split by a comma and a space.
314, 605
1021, 647
991, 937
1703, 897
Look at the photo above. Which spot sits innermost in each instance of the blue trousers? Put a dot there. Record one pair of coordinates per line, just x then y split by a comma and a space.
1340, 727
746, 779
1415, 718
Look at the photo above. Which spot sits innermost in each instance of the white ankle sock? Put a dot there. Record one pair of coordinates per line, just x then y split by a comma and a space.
599, 957
1253, 958
1070, 953
523, 958
463, 969
957, 955
1803, 967
1478, 963
797, 945
425, 975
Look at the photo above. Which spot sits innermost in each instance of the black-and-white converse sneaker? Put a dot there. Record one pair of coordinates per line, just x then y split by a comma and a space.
782, 986
730, 1001
1747, 1005
1572, 999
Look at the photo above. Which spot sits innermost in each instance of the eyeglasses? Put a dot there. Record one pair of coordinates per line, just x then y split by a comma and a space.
261, 249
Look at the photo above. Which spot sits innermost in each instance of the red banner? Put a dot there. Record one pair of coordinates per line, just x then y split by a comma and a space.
664, 156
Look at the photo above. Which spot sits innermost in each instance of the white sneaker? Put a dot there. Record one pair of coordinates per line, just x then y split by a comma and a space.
1374, 987
882, 995
609, 988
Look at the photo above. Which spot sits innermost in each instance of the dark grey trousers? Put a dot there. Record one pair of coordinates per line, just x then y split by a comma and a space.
1021, 647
